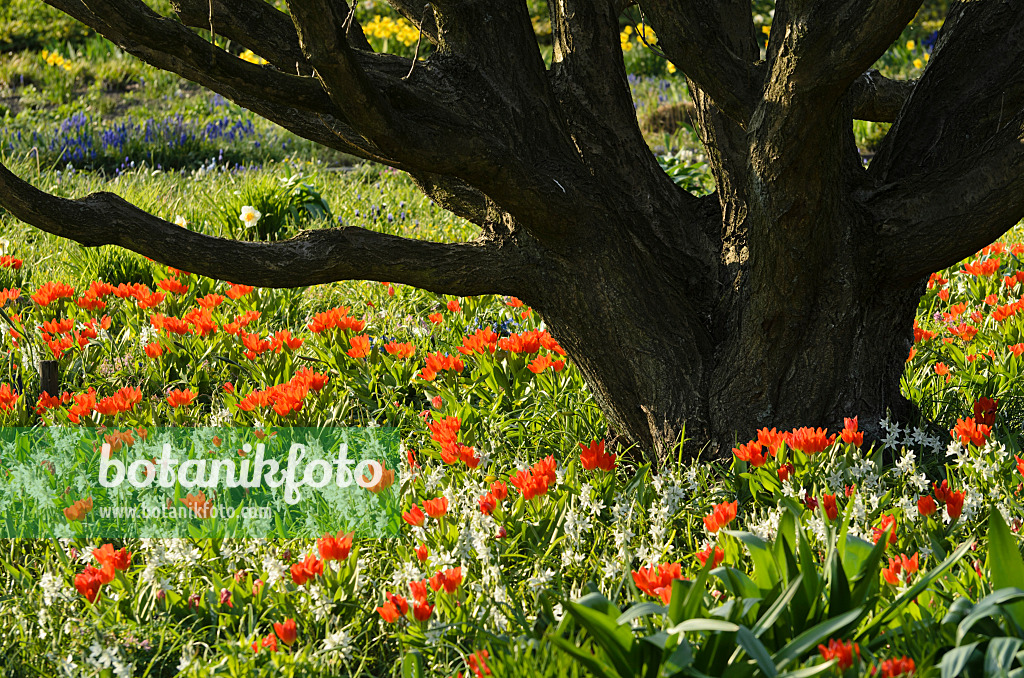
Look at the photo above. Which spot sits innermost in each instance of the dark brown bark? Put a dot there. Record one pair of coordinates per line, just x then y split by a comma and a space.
785, 299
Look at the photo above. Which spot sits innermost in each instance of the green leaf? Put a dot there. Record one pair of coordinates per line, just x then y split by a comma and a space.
867, 577
916, 590
954, 661
736, 582
855, 552
1004, 560
596, 667
680, 590
808, 566
813, 636
766, 569
615, 640
839, 600
694, 600
695, 625
771, 616
596, 601
757, 651
999, 656
809, 671
985, 609
641, 610
412, 665
680, 659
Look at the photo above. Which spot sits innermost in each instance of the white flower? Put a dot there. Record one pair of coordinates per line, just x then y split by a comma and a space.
906, 464
893, 437
274, 568
338, 641
249, 216
188, 654
180, 220
537, 582
53, 589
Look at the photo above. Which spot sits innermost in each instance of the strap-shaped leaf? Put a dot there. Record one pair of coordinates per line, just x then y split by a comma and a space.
999, 656
915, 590
986, 608
697, 625
781, 603
756, 650
679, 660
867, 577
615, 640
641, 610
737, 582
766, 569
808, 567
1004, 560
412, 665
809, 671
596, 667
815, 635
954, 661
839, 600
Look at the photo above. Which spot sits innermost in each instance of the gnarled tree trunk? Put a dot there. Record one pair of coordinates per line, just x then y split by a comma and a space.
785, 298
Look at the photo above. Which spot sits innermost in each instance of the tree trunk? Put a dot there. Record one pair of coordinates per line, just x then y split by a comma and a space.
796, 344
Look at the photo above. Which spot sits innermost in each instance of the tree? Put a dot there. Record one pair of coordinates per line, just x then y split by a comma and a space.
785, 298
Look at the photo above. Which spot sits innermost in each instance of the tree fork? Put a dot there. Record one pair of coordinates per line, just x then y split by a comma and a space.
785, 299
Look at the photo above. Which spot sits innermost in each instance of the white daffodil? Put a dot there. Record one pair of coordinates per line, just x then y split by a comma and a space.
249, 216
180, 221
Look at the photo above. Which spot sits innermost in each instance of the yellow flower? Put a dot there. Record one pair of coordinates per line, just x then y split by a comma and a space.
911, 45
927, 56
645, 33
918, 63
251, 57
766, 29
671, 67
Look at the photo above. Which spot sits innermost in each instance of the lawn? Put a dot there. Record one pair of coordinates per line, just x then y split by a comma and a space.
523, 542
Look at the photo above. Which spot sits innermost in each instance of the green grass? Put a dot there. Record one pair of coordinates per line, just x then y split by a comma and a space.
525, 562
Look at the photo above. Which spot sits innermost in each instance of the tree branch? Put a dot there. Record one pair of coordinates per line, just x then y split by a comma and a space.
455, 125
930, 221
973, 85
321, 25
419, 15
802, 124
876, 98
320, 256
819, 49
588, 76
168, 45
957, 151
496, 37
712, 42
457, 197
410, 121
298, 104
258, 26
